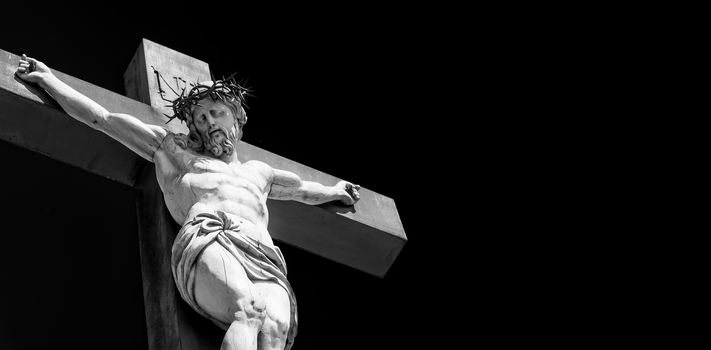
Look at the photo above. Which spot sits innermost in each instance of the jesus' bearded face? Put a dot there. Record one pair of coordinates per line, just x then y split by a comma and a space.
216, 125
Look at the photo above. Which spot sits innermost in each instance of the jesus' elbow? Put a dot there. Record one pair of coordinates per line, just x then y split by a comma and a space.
99, 120
96, 123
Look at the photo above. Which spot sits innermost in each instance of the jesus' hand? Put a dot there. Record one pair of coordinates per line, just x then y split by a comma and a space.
32, 70
348, 192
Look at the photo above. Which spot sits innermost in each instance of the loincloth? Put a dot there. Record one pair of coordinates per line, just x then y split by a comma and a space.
260, 262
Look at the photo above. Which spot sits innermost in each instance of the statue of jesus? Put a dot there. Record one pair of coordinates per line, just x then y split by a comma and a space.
224, 261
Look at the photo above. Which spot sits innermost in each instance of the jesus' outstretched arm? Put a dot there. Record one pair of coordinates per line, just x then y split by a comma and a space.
142, 138
286, 185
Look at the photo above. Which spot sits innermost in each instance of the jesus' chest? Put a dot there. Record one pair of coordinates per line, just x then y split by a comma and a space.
203, 173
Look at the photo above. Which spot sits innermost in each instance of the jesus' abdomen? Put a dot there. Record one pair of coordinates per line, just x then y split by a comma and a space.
210, 192
194, 184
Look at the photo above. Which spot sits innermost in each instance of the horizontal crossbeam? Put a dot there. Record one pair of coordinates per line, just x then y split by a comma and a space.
367, 237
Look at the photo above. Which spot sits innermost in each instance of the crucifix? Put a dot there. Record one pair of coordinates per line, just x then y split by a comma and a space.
367, 236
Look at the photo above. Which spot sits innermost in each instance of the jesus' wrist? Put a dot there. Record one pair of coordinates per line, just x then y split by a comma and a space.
46, 80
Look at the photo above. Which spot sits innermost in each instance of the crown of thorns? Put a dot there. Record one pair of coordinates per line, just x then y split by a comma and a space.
224, 90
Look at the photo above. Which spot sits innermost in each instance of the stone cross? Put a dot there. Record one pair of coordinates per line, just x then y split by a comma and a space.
367, 237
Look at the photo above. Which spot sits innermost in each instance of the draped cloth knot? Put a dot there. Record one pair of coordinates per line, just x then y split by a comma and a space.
260, 262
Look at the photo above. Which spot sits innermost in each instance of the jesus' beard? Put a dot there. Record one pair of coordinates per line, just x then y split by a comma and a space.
221, 143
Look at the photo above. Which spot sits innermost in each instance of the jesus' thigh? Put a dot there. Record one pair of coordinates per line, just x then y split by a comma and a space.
221, 282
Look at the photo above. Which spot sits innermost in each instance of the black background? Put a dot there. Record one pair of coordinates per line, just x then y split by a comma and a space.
350, 94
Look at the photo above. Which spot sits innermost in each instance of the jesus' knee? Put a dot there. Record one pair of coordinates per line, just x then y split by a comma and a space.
249, 310
274, 333
248, 316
